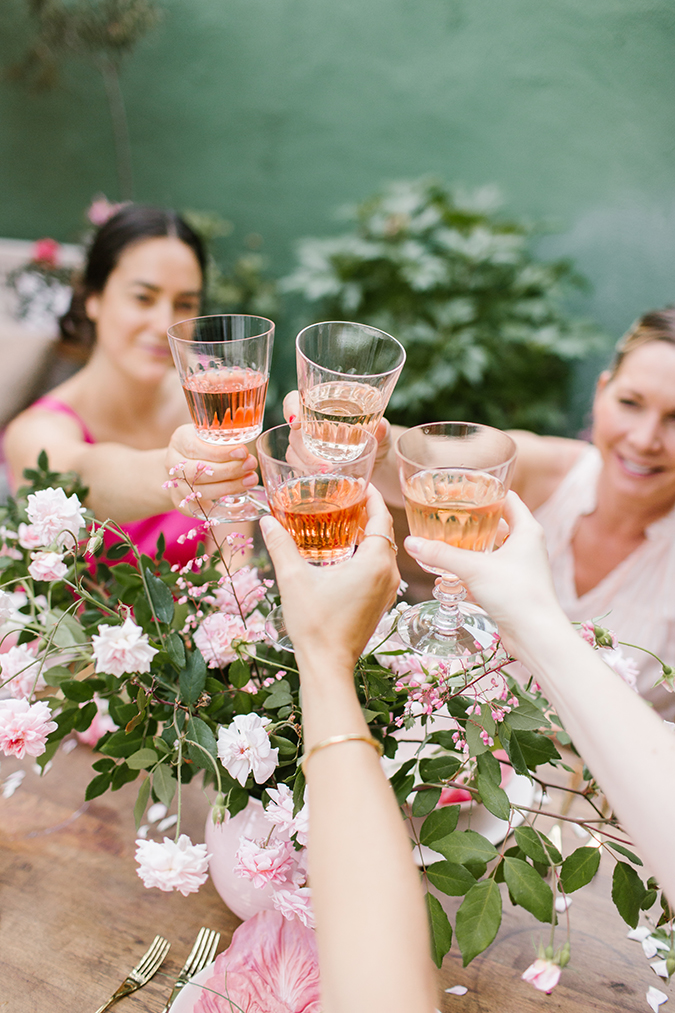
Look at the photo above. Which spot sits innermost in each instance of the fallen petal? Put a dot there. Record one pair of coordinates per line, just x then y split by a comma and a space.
457, 990
648, 948
562, 903
640, 933
655, 997
659, 967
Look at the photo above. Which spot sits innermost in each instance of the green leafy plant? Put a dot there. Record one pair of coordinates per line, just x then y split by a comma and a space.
480, 316
166, 671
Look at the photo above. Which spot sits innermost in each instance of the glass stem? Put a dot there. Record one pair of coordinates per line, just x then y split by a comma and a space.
449, 592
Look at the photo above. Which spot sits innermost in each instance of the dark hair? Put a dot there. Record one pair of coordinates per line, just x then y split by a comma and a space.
132, 224
657, 325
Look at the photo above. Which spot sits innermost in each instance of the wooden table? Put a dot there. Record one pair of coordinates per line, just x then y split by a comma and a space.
74, 916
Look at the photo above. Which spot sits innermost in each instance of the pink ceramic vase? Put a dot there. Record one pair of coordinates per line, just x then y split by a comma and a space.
222, 842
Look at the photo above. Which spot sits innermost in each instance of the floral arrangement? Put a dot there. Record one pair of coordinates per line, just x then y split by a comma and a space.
166, 671
42, 286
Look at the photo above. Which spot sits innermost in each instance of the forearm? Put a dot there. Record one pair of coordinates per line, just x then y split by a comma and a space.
367, 895
623, 742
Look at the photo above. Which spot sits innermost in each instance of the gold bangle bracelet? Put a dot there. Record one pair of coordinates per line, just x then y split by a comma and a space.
335, 740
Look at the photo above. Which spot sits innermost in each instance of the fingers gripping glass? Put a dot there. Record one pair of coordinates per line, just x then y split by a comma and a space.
224, 368
454, 477
319, 502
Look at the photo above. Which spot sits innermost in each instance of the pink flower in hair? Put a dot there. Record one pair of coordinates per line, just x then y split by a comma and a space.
101, 209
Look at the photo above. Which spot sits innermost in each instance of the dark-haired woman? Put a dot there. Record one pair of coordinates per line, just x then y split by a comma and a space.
123, 415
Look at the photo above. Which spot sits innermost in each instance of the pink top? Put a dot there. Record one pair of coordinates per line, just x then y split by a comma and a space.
637, 598
143, 533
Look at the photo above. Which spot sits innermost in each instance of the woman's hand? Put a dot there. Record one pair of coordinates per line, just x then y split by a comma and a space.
513, 583
212, 469
332, 611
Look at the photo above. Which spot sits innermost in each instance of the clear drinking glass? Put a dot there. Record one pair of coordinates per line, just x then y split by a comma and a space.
346, 375
319, 502
224, 366
454, 477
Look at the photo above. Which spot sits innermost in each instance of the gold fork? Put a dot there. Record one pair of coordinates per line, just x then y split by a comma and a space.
141, 974
201, 954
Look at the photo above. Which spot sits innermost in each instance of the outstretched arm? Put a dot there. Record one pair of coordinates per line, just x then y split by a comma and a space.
371, 922
625, 744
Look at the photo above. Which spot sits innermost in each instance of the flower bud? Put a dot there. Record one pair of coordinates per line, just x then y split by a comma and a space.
564, 955
604, 637
548, 953
670, 962
95, 542
219, 811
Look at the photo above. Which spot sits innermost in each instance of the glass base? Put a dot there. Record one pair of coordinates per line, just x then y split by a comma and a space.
275, 628
250, 506
475, 635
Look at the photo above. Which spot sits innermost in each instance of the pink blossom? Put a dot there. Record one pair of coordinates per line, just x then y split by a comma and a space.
47, 566
295, 904
118, 650
264, 863
101, 724
29, 537
244, 747
19, 665
174, 865
587, 631
46, 251
621, 664
543, 974
101, 209
243, 586
280, 813
24, 727
220, 634
271, 966
55, 517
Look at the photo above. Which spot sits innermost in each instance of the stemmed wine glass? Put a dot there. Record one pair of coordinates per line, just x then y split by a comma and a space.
319, 502
454, 477
346, 375
224, 366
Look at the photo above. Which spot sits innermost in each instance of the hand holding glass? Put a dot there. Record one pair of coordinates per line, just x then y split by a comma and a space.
224, 367
454, 477
346, 375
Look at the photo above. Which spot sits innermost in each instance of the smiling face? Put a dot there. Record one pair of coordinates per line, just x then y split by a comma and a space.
156, 282
634, 425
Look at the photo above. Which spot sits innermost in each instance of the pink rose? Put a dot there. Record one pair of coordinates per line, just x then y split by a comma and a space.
47, 566
264, 864
29, 537
46, 251
101, 724
19, 664
174, 865
24, 727
295, 904
543, 974
220, 634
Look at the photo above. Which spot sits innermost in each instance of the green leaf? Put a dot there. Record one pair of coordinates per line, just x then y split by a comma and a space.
535, 748
439, 929
439, 824
528, 889
463, 846
73, 689
537, 846
199, 731
121, 744
117, 551
513, 750
192, 678
526, 716
298, 792
439, 768
404, 788
478, 919
279, 697
84, 716
96, 787
494, 799
579, 868
443, 739
626, 853
175, 648
160, 596
628, 892
474, 740
55, 676
286, 748
141, 801
142, 759
488, 766
164, 784
450, 878
425, 801
239, 673
121, 775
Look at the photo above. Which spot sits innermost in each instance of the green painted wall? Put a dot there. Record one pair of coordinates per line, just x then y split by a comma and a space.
275, 112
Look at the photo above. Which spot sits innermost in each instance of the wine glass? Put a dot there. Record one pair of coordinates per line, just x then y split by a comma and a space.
346, 375
224, 366
454, 477
319, 502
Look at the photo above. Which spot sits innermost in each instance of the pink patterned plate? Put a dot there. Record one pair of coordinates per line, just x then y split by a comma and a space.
189, 994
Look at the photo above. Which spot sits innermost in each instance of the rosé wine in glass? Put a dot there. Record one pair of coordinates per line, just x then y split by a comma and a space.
336, 415
455, 505
322, 513
226, 406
